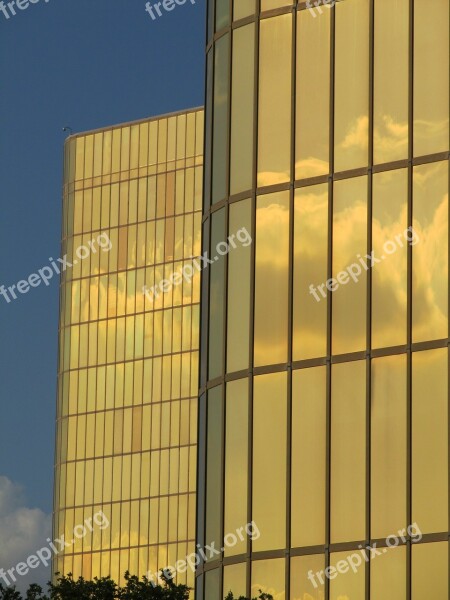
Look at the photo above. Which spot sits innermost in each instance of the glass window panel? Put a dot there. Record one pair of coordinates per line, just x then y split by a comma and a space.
243, 8
217, 293
391, 80
310, 269
235, 580
271, 278
220, 125
269, 461
239, 276
212, 585
309, 456
389, 445
269, 576
430, 252
304, 586
349, 585
430, 440
430, 571
242, 106
431, 77
313, 95
349, 246
390, 243
214, 466
222, 14
236, 462
275, 97
348, 449
388, 575
352, 85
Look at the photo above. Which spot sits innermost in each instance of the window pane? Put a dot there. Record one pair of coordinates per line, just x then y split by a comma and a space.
220, 129
302, 586
388, 575
429, 571
430, 255
430, 440
235, 580
313, 95
352, 84
271, 278
349, 585
348, 449
274, 129
308, 461
310, 269
389, 445
217, 293
214, 466
349, 246
391, 80
269, 460
269, 576
390, 241
431, 93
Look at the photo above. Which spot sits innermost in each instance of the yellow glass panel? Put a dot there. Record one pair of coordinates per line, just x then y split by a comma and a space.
430, 571
391, 72
390, 241
271, 278
269, 577
242, 105
275, 97
430, 253
239, 266
348, 584
348, 450
304, 584
269, 461
431, 77
235, 580
389, 445
313, 95
310, 269
220, 127
352, 84
236, 462
388, 575
430, 440
214, 466
243, 8
349, 265
309, 457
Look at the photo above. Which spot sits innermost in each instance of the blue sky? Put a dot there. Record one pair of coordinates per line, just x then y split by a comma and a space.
86, 64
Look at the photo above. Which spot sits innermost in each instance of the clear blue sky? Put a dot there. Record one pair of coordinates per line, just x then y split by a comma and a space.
86, 64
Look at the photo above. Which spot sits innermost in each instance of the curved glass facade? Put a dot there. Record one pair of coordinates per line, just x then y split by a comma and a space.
324, 347
128, 365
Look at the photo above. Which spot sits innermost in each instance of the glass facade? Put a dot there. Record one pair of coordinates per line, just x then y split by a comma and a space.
128, 363
324, 413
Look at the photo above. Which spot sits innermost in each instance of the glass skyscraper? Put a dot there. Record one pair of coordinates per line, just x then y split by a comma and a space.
128, 364
324, 408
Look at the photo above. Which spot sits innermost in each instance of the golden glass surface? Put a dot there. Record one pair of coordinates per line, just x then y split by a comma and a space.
269, 576
350, 265
430, 440
234, 580
310, 269
430, 253
351, 134
302, 587
271, 278
348, 451
308, 457
347, 584
312, 95
220, 139
121, 406
269, 461
431, 77
429, 571
391, 80
388, 445
390, 241
274, 107
242, 108
243, 8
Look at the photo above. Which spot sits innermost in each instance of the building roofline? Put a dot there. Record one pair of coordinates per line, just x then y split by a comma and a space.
136, 122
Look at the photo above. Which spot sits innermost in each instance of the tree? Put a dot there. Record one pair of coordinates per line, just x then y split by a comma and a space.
262, 596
